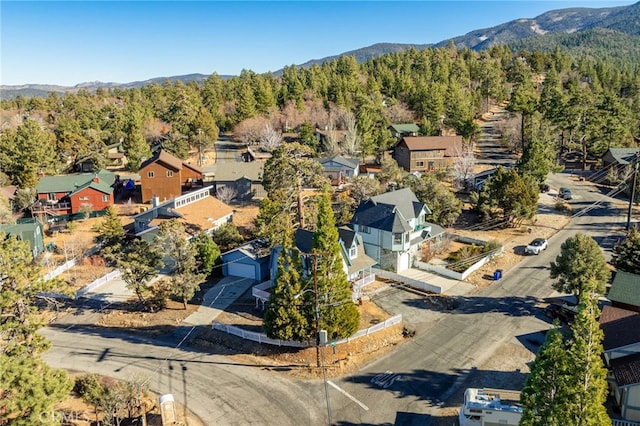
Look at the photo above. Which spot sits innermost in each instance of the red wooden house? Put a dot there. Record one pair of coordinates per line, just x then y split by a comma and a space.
66, 194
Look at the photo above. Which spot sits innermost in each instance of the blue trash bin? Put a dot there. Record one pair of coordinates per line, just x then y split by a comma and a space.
497, 274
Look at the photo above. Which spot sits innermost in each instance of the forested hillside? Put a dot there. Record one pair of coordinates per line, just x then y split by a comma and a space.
578, 103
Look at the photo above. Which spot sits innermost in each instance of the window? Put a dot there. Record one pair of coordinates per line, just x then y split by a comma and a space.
432, 165
169, 173
83, 198
150, 174
353, 252
51, 196
419, 163
397, 238
365, 229
105, 198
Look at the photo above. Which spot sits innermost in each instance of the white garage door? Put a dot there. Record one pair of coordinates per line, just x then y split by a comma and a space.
241, 270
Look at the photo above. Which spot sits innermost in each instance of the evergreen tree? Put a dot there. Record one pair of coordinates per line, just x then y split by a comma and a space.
180, 255
138, 262
337, 313
287, 317
28, 386
587, 374
208, 253
546, 394
111, 234
580, 267
626, 255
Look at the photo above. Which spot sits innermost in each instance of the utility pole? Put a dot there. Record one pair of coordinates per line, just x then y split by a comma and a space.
633, 190
317, 307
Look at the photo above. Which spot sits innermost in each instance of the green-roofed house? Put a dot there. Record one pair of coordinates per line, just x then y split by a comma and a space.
30, 232
66, 194
625, 291
398, 131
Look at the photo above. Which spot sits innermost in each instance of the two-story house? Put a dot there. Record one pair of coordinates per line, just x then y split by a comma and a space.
355, 262
427, 153
620, 323
393, 227
66, 194
242, 179
166, 177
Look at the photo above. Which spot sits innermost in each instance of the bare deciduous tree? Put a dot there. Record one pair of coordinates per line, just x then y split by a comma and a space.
270, 138
399, 113
351, 143
250, 130
226, 194
463, 165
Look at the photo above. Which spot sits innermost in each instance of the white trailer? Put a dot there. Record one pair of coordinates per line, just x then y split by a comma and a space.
490, 407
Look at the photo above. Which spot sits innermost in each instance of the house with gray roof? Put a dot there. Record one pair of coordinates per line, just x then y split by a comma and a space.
619, 157
337, 168
355, 262
393, 227
244, 178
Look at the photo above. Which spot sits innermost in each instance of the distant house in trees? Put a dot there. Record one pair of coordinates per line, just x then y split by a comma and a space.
337, 136
166, 177
243, 178
198, 210
619, 157
399, 131
337, 168
393, 227
67, 194
9, 192
621, 345
30, 232
427, 153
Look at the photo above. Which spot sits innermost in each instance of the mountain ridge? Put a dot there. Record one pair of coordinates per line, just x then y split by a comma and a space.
624, 19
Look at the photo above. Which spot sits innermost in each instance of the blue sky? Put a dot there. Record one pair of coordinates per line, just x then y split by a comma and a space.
66, 43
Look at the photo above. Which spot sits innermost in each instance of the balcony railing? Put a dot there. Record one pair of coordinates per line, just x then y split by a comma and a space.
50, 208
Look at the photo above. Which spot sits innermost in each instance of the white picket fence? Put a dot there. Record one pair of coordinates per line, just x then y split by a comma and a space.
618, 422
262, 338
60, 269
98, 282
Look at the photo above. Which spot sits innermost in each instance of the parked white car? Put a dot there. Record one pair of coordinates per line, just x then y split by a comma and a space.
536, 246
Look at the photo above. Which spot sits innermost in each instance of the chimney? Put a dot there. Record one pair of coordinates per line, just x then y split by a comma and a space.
96, 179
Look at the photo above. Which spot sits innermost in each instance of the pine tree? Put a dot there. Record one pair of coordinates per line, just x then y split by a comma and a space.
337, 313
285, 317
580, 267
626, 256
28, 386
587, 374
111, 234
208, 253
545, 395
138, 263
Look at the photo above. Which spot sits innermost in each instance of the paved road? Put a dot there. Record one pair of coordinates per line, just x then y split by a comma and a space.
410, 385
219, 389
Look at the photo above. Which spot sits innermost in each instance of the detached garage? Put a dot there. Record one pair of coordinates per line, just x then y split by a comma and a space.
251, 260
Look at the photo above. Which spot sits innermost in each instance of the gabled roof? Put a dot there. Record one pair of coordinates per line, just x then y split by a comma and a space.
9, 192
343, 161
405, 128
619, 327
451, 144
623, 155
625, 288
626, 370
76, 182
232, 171
390, 211
170, 162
